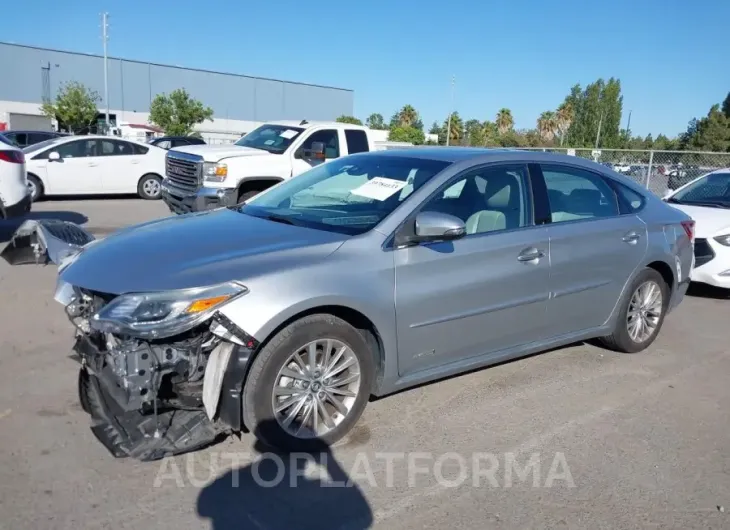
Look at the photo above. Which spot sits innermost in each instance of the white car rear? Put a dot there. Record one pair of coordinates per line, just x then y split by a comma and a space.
707, 200
14, 196
85, 165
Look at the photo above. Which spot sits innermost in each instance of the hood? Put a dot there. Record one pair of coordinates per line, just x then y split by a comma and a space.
195, 250
709, 221
214, 153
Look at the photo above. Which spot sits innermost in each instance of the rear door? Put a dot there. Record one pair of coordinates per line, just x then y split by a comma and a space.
594, 247
121, 166
357, 141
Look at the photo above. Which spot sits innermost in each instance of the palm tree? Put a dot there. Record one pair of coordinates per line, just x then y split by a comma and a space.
564, 117
490, 133
504, 121
547, 125
407, 116
456, 132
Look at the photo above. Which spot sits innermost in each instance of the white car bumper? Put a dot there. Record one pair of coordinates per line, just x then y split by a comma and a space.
712, 263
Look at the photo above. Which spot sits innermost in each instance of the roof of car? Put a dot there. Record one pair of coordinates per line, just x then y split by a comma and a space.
458, 154
26, 131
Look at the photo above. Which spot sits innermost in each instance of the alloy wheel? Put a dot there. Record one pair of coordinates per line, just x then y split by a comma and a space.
645, 311
32, 188
316, 388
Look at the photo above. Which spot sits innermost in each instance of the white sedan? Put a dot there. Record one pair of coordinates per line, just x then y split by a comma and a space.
85, 165
707, 200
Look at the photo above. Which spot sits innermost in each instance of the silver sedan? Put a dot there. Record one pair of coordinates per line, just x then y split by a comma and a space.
363, 276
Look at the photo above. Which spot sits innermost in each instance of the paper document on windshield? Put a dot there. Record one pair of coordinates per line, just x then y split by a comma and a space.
379, 188
288, 134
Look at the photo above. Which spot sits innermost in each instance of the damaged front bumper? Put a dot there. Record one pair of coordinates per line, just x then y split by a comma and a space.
147, 398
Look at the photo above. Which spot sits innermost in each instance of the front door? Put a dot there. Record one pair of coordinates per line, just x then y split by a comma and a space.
483, 293
77, 171
331, 140
594, 249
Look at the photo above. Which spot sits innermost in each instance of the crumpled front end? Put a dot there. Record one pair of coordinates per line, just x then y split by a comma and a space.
153, 398
40, 242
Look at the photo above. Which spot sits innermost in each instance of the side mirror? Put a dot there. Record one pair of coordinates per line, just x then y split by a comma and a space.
53, 156
316, 152
434, 226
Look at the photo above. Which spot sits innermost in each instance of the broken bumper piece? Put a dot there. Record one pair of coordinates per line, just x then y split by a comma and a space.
45, 241
143, 436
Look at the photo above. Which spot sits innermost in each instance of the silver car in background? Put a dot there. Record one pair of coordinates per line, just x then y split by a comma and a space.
363, 276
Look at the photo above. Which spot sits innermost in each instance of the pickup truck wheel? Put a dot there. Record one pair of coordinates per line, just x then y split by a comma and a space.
246, 195
150, 187
309, 384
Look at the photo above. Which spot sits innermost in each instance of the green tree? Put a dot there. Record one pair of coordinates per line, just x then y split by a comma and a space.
348, 119
407, 134
406, 117
456, 132
178, 113
711, 133
649, 142
726, 106
504, 120
598, 106
74, 107
547, 125
564, 116
491, 133
474, 131
375, 121
435, 128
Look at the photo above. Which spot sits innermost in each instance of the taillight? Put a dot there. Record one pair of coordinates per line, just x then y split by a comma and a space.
689, 228
14, 157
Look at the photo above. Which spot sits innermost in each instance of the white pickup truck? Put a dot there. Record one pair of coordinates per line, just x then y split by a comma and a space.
201, 177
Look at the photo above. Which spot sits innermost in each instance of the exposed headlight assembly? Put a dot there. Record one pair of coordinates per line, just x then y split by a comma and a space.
215, 172
723, 240
163, 314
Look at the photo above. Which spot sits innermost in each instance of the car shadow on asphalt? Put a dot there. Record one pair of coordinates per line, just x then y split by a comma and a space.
9, 226
702, 290
277, 491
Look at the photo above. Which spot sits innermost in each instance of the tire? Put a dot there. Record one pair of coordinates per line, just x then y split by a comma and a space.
83, 388
150, 187
36, 187
620, 339
258, 392
246, 195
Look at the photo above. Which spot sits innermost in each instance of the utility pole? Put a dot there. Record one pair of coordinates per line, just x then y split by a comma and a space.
628, 126
598, 134
105, 38
451, 110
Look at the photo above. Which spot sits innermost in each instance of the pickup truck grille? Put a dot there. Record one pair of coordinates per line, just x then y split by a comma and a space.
184, 171
703, 252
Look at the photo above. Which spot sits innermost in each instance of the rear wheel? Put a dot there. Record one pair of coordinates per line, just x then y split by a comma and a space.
35, 187
641, 315
150, 187
309, 385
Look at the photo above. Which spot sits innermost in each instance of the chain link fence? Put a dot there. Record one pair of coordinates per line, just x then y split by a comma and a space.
659, 171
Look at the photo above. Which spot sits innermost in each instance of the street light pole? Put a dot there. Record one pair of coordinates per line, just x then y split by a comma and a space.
598, 134
105, 38
451, 110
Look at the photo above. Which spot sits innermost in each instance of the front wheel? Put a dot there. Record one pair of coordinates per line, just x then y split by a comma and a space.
35, 188
309, 385
641, 314
150, 187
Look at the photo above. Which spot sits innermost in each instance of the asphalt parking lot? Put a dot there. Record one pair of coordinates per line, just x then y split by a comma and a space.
615, 441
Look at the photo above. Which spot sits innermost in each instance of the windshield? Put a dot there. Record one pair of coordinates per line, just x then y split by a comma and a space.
41, 145
349, 195
710, 190
272, 138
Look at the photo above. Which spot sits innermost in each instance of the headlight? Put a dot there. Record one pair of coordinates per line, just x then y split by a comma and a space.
723, 240
215, 172
163, 314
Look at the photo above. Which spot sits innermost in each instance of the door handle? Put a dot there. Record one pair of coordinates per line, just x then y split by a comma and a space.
92, 164
632, 238
530, 254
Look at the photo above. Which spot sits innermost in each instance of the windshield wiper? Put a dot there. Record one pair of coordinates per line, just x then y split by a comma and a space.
278, 219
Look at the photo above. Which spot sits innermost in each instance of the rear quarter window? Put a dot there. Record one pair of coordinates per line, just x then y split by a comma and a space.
357, 141
629, 201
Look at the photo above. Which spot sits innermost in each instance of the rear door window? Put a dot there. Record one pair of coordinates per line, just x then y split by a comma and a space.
357, 141
577, 194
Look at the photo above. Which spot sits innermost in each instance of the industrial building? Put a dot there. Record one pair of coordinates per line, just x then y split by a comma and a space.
31, 75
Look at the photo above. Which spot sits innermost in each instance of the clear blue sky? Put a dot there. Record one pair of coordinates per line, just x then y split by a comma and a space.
672, 56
